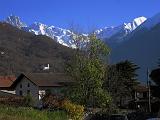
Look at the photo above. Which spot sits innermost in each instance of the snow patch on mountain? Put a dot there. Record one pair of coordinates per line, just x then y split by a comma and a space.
134, 24
63, 36
127, 28
107, 32
15, 21
151, 22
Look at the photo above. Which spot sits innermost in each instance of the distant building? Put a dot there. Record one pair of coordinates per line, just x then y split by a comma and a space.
5, 85
141, 92
38, 84
140, 98
46, 67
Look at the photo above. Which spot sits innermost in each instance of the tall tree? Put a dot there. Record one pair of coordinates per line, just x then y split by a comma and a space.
88, 70
121, 80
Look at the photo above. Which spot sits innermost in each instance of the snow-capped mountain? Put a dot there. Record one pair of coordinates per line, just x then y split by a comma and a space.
15, 21
141, 46
119, 32
63, 36
146, 26
151, 22
135, 23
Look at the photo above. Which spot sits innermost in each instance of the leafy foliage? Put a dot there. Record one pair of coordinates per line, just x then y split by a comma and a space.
127, 71
76, 112
52, 101
28, 100
121, 80
12, 100
88, 70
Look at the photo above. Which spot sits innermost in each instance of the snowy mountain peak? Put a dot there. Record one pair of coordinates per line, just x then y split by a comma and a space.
151, 22
124, 29
63, 36
38, 28
15, 21
140, 20
135, 23
60, 35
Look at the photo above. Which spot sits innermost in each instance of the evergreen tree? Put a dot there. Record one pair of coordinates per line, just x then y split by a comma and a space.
121, 80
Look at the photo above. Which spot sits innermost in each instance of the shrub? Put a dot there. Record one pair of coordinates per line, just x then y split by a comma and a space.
52, 101
12, 100
75, 112
28, 100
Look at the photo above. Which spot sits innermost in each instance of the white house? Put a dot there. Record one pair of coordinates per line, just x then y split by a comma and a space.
36, 84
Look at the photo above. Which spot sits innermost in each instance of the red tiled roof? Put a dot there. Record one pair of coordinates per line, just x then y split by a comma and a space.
6, 81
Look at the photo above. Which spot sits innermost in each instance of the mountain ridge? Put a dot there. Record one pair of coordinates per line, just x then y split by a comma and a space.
140, 45
141, 48
63, 36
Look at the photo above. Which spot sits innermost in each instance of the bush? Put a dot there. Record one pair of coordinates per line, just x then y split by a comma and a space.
52, 101
28, 100
12, 100
75, 112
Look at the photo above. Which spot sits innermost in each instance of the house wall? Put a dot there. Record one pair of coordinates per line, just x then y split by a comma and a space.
36, 92
23, 87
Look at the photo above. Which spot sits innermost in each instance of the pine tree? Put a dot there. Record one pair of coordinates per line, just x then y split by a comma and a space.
121, 80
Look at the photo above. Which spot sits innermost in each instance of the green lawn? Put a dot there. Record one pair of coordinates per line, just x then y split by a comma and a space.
21, 113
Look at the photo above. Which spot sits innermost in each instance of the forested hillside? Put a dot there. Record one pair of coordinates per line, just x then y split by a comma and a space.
25, 52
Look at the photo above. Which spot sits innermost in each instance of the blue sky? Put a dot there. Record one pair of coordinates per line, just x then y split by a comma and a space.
88, 14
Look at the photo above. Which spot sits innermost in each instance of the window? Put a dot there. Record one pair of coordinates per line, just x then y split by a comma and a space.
28, 92
28, 85
20, 93
20, 85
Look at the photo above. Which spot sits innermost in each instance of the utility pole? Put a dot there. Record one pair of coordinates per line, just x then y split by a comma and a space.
149, 91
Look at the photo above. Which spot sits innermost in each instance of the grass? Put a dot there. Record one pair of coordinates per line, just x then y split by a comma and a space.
21, 113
